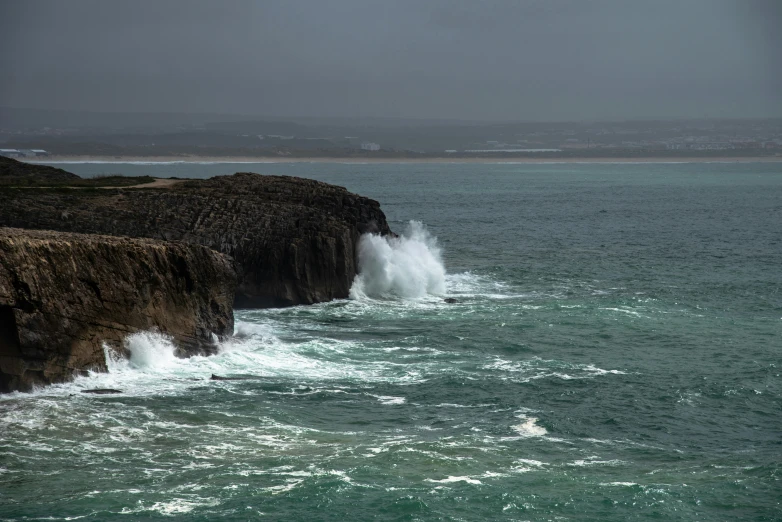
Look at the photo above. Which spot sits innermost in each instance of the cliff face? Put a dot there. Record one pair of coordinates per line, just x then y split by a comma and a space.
63, 295
293, 240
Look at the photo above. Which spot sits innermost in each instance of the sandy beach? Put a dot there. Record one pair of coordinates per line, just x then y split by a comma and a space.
283, 159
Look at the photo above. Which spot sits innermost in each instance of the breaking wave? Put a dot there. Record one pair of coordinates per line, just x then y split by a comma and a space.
150, 350
408, 266
147, 350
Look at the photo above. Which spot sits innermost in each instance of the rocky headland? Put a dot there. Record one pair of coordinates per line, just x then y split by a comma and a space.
293, 240
100, 259
62, 296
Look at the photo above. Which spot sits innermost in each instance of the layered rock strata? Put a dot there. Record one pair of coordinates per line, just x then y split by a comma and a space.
63, 295
293, 240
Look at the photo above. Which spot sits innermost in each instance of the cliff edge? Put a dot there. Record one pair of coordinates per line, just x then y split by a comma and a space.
293, 240
62, 296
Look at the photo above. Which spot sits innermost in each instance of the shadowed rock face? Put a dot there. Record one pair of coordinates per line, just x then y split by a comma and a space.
62, 296
293, 240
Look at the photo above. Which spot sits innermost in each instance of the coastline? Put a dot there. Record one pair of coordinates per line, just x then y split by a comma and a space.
61, 159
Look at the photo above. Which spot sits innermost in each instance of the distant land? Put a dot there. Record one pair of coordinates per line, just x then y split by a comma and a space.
33, 134
707, 158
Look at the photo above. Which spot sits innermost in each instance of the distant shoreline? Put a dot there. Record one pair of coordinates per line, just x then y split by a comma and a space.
444, 159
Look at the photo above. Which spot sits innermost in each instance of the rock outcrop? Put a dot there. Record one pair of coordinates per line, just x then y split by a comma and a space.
62, 296
293, 240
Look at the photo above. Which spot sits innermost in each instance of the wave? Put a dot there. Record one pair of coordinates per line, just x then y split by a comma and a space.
530, 428
149, 365
409, 266
150, 350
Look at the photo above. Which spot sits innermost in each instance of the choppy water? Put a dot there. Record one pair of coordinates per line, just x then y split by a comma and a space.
614, 355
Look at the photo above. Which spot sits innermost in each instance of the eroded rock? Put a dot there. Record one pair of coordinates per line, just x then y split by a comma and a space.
220, 378
62, 296
293, 240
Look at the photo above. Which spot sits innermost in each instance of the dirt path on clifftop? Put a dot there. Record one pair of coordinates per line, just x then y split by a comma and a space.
159, 183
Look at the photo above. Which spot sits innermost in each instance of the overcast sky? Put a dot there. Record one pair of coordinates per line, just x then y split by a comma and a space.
478, 60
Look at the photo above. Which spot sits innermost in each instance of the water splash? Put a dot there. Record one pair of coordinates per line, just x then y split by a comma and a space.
149, 365
408, 266
148, 350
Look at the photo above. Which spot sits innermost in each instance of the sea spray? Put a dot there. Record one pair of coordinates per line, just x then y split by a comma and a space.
137, 369
150, 350
408, 266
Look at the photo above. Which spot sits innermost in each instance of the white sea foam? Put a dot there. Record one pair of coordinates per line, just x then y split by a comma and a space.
530, 462
536, 368
452, 479
594, 460
624, 311
255, 350
468, 284
150, 350
177, 506
409, 266
529, 428
389, 399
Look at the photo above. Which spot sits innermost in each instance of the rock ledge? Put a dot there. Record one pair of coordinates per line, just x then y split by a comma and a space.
293, 240
63, 295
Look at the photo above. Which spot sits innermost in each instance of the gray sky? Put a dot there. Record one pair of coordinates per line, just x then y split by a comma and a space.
488, 60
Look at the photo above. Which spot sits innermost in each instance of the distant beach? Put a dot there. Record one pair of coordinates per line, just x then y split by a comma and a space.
287, 159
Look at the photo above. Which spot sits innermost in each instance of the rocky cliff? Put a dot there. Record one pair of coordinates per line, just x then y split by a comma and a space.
63, 295
293, 240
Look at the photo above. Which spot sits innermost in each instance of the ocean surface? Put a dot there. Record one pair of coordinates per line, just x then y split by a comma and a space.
615, 354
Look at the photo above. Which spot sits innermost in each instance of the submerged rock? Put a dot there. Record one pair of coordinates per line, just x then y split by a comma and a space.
219, 378
450, 300
102, 391
293, 240
62, 296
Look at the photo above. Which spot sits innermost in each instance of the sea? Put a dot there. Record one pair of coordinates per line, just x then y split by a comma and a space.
614, 353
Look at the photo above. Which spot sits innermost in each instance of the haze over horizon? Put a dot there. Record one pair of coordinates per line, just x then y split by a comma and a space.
505, 61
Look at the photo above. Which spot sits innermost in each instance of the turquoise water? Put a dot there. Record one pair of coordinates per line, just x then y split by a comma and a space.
614, 355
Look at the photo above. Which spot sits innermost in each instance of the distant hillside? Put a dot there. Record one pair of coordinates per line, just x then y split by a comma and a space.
14, 172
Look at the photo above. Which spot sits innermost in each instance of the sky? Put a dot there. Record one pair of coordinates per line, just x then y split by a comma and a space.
493, 60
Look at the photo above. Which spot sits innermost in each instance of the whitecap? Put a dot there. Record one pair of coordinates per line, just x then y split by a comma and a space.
452, 479
594, 461
531, 462
625, 311
289, 485
389, 399
529, 428
181, 506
